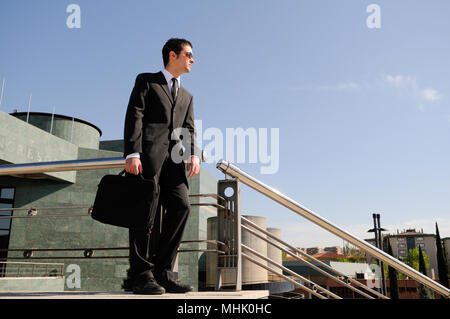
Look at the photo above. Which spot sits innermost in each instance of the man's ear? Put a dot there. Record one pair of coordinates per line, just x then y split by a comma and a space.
172, 54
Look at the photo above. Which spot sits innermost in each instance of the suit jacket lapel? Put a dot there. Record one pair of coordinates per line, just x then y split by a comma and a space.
180, 103
179, 97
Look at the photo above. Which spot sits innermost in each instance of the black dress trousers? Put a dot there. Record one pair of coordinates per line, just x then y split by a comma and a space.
152, 255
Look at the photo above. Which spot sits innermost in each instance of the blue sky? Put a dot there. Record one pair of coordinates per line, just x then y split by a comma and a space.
363, 114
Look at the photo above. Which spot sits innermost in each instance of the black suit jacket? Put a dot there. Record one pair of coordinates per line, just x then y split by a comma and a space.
150, 119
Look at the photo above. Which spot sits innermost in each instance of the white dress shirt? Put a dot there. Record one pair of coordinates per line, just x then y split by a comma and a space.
169, 78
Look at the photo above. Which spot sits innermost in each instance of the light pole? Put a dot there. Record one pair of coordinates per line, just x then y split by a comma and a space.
379, 244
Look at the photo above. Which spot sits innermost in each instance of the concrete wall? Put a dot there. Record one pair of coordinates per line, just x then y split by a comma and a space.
70, 232
73, 130
24, 143
272, 252
252, 273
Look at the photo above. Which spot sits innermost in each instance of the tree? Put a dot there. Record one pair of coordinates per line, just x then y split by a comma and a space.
441, 260
412, 259
424, 292
392, 273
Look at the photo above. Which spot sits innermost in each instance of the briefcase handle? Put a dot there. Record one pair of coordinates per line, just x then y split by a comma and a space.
122, 173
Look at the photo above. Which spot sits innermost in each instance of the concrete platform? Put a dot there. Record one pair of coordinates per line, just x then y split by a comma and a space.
246, 294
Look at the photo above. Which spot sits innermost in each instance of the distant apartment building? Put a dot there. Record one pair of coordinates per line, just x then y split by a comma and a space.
318, 250
408, 239
314, 250
334, 250
446, 242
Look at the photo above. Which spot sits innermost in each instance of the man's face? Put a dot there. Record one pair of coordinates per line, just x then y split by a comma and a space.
183, 62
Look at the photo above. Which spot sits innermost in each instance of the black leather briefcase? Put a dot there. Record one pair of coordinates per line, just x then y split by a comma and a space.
126, 200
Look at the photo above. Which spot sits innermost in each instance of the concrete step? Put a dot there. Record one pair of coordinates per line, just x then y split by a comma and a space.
245, 294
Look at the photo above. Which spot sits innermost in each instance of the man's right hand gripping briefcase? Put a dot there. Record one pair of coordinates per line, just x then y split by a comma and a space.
127, 201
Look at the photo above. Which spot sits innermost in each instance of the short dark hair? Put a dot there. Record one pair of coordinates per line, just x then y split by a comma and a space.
175, 45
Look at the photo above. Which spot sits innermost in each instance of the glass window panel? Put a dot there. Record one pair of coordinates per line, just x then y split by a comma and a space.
5, 223
5, 212
7, 193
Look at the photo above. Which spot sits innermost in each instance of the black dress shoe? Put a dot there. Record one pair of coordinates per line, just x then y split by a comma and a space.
127, 284
176, 288
149, 287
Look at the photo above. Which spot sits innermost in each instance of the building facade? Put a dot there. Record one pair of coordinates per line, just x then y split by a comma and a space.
408, 239
446, 244
46, 216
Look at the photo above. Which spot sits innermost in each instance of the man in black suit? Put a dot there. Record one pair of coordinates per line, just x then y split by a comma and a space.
153, 145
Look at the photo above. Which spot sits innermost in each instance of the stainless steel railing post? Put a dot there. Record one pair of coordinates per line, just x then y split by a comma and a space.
229, 232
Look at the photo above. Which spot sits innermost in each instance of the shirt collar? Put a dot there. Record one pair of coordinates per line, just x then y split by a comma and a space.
169, 77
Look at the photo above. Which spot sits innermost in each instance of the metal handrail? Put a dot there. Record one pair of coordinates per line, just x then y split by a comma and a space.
42, 208
79, 207
73, 207
213, 242
233, 171
280, 274
9, 271
323, 272
329, 293
69, 165
86, 164
60, 166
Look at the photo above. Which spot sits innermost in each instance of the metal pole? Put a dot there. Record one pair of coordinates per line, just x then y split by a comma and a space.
60, 166
71, 133
380, 241
1, 94
29, 106
377, 245
51, 124
277, 196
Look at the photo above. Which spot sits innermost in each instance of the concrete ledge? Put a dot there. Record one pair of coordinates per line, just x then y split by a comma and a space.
34, 284
248, 294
